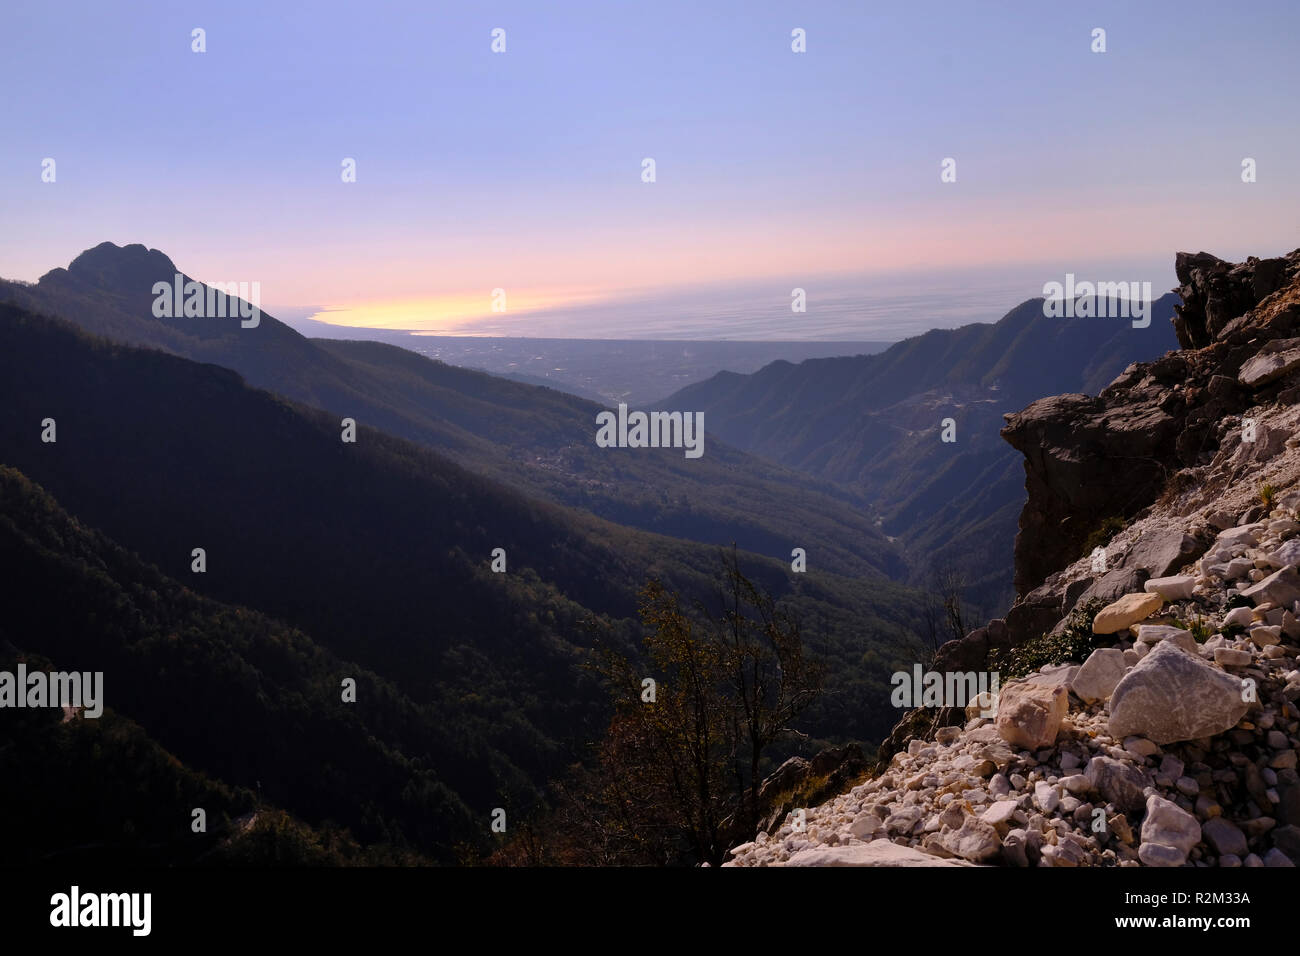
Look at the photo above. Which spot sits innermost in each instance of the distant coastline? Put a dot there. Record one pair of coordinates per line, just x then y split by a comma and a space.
839, 309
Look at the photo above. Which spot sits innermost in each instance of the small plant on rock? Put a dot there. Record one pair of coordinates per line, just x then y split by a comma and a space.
1267, 495
1103, 534
1074, 643
1200, 629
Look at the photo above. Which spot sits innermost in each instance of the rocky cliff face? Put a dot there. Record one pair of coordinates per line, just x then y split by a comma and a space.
1089, 459
1171, 735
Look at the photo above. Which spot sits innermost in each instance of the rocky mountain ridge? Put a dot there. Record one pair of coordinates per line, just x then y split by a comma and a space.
1164, 729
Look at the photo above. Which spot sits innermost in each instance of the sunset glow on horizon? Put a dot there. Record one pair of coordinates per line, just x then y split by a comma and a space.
477, 171
453, 314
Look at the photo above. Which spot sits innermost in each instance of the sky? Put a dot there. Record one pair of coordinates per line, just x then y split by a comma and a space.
522, 170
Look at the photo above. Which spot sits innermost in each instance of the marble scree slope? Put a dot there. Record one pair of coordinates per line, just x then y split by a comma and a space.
1175, 741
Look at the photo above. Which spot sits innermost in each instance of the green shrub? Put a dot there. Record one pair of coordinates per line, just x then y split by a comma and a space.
1075, 642
1103, 534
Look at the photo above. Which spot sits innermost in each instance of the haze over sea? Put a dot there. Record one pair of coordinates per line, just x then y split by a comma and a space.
845, 309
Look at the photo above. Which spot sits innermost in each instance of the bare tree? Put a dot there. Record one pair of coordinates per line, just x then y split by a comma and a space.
944, 616
772, 679
932, 625
949, 584
680, 770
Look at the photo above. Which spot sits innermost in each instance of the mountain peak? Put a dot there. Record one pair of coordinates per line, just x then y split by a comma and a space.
130, 268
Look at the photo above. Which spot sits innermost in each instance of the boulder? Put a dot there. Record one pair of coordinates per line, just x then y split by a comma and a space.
1152, 634
1177, 588
1171, 766
976, 841
1220, 520
1247, 536
1269, 442
1157, 854
1046, 797
1281, 588
1052, 675
1161, 552
1141, 747
1275, 360
866, 825
1230, 657
1168, 833
1128, 610
999, 814
1224, 836
1030, 714
903, 820
1253, 514
1171, 695
1234, 570
1239, 616
1286, 556
1034, 613
1265, 635
1078, 784
1109, 586
1120, 783
1099, 674
1067, 851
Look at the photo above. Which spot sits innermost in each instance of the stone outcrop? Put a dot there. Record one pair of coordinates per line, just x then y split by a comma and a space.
1215, 292
1089, 459
798, 782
